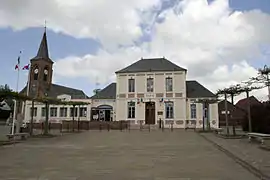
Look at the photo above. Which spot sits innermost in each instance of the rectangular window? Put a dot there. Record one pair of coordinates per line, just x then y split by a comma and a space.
63, 112
169, 84
131, 109
53, 112
193, 112
35, 112
75, 113
150, 85
131, 85
169, 110
43, 112
83, 111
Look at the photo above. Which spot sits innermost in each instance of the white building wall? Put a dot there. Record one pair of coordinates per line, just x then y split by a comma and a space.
213, 114
178, 96
40, 118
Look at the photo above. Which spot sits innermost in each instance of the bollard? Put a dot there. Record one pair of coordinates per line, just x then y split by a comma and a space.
159, 123
129, 126
121, 123
108, 126
172, 126
100, 127
140, 125
61, 128
162, 126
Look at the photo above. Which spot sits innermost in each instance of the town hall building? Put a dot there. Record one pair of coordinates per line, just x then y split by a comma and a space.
145, 92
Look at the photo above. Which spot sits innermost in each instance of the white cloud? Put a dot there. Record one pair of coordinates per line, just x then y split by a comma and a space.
216, 44
111, 22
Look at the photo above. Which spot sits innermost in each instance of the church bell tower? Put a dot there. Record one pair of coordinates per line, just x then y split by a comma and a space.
41, 71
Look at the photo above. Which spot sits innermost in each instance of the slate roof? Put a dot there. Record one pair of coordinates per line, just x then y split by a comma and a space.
151, 65
243, 103
195, 90
43, 51
109, 92
57, 90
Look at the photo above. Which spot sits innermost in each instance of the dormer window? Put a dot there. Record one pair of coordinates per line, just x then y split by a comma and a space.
36, 73
45, 74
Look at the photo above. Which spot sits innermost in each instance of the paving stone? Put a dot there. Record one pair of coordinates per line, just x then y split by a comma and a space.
115, 155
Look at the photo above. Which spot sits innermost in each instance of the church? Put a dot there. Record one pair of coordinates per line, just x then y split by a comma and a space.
145, 92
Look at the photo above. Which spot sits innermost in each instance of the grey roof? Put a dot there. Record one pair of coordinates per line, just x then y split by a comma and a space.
109, 92
43, 51
57, 90
151, 65
196, 90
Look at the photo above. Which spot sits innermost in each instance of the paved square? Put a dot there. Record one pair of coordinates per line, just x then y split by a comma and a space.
119, 156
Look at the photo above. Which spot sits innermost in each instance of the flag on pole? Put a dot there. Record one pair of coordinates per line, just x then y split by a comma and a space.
18, 63
26, 67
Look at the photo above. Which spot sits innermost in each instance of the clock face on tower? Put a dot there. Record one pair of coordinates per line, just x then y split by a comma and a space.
46, 72
36, 71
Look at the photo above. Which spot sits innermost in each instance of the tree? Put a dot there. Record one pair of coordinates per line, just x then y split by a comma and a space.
95, 91
5, 89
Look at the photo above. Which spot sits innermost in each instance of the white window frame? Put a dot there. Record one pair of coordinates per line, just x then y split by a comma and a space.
169, 84
131, 110
63, 112
169, 110
71, 112
83, 111
193, 111
150, 84
131, 85
53, 111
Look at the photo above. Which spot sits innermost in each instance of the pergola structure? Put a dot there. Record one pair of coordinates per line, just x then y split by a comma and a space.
47, 101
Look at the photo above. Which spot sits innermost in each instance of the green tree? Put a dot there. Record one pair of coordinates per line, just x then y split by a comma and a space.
3, 89
95, 91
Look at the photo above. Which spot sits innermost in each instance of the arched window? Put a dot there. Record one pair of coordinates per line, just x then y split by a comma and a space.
45, 74
36, 71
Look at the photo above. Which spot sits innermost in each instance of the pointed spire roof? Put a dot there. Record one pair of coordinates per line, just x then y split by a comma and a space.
43, 52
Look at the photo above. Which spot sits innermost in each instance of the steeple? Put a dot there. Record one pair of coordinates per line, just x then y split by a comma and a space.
43, 52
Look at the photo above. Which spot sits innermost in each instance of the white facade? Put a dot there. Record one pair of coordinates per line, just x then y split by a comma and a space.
60, 112
160, 96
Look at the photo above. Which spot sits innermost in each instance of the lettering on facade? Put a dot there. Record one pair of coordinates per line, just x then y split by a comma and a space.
140, 95
150, 95
131, 95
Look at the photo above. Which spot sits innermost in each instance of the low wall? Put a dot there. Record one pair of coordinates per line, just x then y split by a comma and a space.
84, 125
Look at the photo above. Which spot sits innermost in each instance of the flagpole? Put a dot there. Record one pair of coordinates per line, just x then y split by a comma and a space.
27, 91
15, 101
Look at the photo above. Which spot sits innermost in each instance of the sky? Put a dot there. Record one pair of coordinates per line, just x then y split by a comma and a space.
220, 42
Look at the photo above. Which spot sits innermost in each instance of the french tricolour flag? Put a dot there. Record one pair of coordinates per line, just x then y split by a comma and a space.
26, 67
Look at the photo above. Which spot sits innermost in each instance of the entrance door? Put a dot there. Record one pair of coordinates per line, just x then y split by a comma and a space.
150, 113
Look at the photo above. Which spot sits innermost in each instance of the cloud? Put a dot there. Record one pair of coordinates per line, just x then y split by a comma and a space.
111, 22
216, 44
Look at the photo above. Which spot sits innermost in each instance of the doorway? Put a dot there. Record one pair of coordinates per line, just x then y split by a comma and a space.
150, 113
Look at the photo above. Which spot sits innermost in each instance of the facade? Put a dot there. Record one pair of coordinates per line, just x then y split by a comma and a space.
145, 92
156, 89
